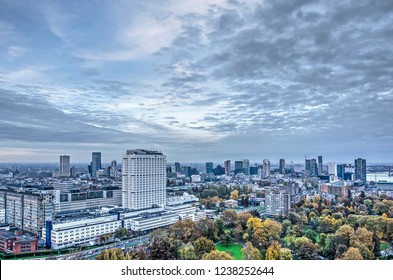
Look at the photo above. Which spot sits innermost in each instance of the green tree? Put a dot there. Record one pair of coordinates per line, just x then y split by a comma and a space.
227, 237
329, 250
312, 235
122, 233
220, 226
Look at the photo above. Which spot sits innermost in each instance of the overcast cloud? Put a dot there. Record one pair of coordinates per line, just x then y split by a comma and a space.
199, 80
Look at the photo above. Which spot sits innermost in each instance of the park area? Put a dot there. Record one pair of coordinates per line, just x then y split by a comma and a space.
234, 249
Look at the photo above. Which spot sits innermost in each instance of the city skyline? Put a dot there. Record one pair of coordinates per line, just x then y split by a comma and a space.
201, 81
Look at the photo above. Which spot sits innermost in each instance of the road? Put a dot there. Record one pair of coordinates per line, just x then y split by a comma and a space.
91, 254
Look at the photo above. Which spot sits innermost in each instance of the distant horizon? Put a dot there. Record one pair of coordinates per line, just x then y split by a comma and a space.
272, 163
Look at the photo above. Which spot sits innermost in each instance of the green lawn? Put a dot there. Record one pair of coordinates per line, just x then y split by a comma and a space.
234, 249
383, 245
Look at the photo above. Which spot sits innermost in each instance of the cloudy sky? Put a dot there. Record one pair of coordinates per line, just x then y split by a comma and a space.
205, 80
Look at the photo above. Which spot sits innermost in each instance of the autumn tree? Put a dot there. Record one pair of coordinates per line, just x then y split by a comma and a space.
259, 239
344, 234
242, 219
253, 224
265, 232
285, 254
161, 246
273, 251
363, 240
208, 228
112, 254
185, 230
305, 249
235, 194
328, 224
203, 245
187, 252
352, 254
217, 255
250, 252
229, 217
272, 228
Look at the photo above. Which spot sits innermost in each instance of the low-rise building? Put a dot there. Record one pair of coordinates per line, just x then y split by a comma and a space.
336, 188
12, 243
78, 200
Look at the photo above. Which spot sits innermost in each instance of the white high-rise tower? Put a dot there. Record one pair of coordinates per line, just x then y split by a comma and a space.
143, 179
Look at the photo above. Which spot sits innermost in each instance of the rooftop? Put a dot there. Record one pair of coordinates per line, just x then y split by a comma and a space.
143, 152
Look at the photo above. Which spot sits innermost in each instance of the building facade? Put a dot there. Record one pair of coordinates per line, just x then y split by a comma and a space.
143, 179
246, 166
95, 163
209, 167
360, 169
266, 168
27, 210
64, 167
282, 166
320, 165
277, 202
227, 166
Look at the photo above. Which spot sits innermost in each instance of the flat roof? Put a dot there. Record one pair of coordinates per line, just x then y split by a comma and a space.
143, 152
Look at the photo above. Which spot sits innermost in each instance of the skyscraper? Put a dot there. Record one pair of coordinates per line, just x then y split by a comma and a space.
360, 169
73, 172
311, 167
332, 168
113, 169
227, 166
341, 170
143, 179
307, 167
177, 167
64, 168
282, 166
95, 163
239, 167
209, 167
314, 167
320, 165
266, 168
246, 166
